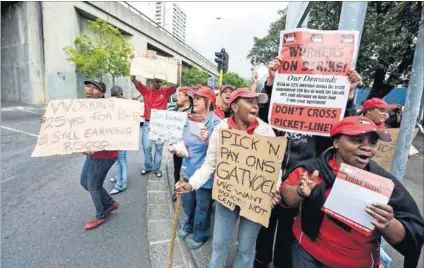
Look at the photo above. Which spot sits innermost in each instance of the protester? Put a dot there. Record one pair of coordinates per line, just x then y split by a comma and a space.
323, 241
121, 177
254, 81
96, 167
223, 110
299, 147
377, 110
197, 204
184, 104
155, 97
244, 105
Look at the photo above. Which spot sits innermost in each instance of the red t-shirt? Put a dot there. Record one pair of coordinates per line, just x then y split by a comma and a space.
334, 246
154, 99
105, 155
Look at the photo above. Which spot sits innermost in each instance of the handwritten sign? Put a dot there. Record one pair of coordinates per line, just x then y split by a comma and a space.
79, 125
311, 87
247, 172
152, 66
386, 150
167, 126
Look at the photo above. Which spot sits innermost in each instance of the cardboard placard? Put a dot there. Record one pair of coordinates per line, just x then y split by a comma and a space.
247, 172
386, 150
311, 87
151, 66
79, 125
167, 126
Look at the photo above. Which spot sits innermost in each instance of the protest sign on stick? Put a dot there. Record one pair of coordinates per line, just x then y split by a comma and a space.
152, 66
385, 151
247, 172
79, 125
167, 126
352, 191
311, 87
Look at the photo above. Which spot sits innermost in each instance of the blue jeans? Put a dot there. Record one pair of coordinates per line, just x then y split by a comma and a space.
225, 220
197, 207
147, 148
92, 177
121, 175
302, 259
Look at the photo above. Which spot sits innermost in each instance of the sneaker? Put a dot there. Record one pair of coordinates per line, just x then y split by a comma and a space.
113, 180
113, 207
182, 234
144, 172
158, 173
93, 223
116, 191
192, 244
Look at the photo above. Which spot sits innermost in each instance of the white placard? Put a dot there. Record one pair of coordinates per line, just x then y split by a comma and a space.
167, 126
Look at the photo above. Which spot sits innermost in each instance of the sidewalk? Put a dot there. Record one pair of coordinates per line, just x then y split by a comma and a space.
413, 181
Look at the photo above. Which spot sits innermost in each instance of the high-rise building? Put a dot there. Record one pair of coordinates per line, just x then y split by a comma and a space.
170, 16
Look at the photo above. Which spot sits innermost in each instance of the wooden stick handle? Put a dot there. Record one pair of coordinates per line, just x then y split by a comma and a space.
174, 227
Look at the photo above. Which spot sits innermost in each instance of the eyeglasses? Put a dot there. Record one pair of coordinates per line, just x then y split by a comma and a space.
372, 138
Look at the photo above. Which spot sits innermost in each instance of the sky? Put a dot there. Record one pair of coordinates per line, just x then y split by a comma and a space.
239, 23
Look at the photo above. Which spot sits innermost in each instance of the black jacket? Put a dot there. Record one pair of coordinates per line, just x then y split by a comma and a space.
301, 146
404, 207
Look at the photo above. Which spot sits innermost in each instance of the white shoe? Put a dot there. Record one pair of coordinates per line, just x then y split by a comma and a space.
114, 191
112, 180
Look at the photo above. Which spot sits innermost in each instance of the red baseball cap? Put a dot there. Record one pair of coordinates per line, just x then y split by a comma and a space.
375, 103
207, 93
249, 94
358, 125
225, 87
187, 90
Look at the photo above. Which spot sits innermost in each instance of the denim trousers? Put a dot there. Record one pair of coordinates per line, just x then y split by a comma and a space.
147, 149
121, 175
302, 259
197, 206
225, 220
93, 176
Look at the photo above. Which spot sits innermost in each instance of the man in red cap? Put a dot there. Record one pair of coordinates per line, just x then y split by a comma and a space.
223, 110
155, 97
377, 110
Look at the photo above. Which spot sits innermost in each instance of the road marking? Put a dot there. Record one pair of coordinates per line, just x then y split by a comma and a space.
31, 112
156, 192
160, 242
19, 131
8, 179
159, 220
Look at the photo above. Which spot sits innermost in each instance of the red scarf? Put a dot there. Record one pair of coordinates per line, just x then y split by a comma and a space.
250, 129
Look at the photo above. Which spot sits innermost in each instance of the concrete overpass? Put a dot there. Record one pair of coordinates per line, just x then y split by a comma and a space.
34, 66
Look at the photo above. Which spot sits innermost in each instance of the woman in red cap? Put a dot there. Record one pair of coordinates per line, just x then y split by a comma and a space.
377, 110
323, 241
223, 110
244, 106
197, 205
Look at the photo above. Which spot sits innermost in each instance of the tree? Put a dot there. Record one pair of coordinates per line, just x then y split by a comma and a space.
193, 76
265, 49
107, 54
387, 44
235, 80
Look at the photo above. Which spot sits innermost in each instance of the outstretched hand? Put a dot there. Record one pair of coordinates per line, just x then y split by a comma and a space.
306, 184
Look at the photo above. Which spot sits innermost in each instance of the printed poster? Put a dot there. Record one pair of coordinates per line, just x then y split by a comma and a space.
311, 87
352, 191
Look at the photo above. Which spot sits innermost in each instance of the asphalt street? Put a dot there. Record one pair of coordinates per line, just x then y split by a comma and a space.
44, 208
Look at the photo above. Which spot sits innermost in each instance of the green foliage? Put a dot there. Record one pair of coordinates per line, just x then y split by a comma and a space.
193, 76
387, 43
235, 80
107, 54
265, 49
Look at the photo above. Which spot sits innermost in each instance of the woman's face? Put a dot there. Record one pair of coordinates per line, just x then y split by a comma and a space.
378, 115
93, 92
225, 96
182, 98
199, 104
246, 109
356, 150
